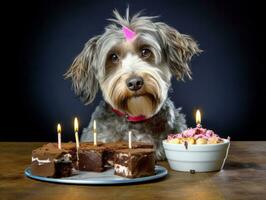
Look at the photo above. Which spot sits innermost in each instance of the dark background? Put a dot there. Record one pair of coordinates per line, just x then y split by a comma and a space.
41, 38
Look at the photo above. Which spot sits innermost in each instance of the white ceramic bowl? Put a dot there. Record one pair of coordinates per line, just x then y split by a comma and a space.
198, 157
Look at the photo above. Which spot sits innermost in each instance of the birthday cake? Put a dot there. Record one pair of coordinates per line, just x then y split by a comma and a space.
134, 163
49, 161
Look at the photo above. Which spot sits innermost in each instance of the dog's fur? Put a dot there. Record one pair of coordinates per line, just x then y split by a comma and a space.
157, 53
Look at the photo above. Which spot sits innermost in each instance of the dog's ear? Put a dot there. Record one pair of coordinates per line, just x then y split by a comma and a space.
82, 72
179, 49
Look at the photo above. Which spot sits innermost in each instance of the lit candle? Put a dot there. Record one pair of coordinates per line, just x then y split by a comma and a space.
59, 135
76, 130
94, 133
129, 140
198, 118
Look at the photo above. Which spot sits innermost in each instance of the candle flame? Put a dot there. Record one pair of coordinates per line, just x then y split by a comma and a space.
198, 117
76, 125
59, 128
94, 126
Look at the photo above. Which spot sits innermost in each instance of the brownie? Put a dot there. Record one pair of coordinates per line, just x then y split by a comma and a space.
110, 150
136, 145
134, 163
112, 147
92, 144
91, 158
70, 147
49, 161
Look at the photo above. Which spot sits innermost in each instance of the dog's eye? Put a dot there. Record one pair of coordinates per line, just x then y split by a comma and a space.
114, 58
145, 53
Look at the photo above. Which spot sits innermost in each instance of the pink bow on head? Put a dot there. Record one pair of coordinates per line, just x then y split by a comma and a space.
128, 33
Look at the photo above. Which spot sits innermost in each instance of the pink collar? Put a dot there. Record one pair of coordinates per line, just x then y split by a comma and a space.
139, 118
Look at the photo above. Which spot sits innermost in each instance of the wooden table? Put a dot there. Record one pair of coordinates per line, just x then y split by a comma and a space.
243, 177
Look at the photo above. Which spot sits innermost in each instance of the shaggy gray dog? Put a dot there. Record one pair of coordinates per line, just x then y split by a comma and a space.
133, 62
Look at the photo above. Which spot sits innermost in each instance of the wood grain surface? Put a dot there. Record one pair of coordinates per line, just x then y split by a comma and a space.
243, 177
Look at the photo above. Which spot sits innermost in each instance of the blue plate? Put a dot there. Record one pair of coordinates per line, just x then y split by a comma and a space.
104, 178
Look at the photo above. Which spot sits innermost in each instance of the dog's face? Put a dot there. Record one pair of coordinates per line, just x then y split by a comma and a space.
136, 79
134, 74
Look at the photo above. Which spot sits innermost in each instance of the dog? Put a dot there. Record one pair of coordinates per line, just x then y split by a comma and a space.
132, 63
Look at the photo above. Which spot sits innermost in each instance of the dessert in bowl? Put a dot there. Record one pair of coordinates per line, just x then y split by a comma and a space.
196, 150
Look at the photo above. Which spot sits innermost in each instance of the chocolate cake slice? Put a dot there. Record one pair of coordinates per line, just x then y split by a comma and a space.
134, 163
136, 145
70, 147
91, 158
112, 147
110, 151
49, 161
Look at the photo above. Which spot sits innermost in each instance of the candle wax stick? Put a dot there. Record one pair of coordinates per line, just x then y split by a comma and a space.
95, 139
77, 139
59, 135
59, 140
77, 145
76, 128
129, 140
94, 134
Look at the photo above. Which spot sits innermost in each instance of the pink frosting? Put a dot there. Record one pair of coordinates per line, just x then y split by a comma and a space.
195, 133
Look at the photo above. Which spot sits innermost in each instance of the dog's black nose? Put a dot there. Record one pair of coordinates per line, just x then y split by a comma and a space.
134, 83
